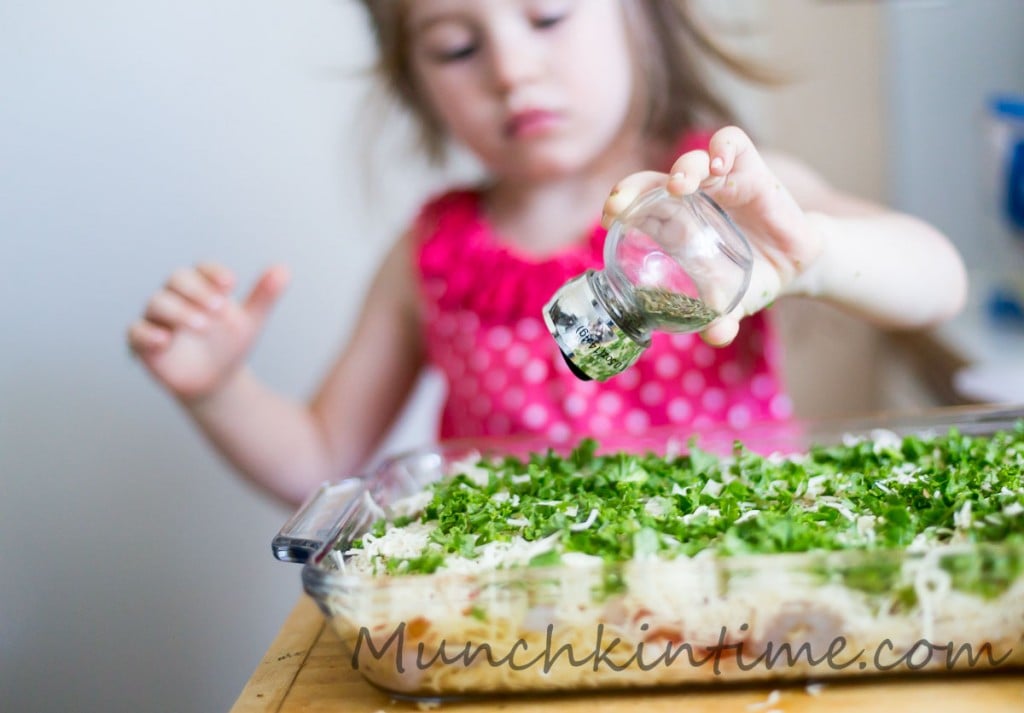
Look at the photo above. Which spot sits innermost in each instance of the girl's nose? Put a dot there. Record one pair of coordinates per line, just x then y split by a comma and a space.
515, 59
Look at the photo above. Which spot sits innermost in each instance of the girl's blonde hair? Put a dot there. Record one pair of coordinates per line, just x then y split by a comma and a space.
667, 43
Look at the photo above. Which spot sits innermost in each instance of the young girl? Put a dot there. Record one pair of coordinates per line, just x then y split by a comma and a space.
561, 100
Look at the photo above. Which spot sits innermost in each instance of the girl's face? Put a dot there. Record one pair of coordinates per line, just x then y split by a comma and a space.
535, 88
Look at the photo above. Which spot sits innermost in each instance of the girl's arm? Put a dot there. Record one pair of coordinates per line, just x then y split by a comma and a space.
285, 446
811, 240
366, 388
893, 269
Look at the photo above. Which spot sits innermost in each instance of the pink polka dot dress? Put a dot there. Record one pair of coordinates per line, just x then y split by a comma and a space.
505, 375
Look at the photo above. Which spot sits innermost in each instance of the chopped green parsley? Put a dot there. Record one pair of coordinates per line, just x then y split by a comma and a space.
884, 494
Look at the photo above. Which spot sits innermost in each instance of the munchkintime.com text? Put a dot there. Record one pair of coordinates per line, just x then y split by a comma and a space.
612, 654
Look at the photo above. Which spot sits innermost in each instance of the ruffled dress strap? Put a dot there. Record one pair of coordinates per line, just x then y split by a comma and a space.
465, 266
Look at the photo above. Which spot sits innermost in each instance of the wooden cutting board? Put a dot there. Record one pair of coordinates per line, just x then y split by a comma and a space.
306, 670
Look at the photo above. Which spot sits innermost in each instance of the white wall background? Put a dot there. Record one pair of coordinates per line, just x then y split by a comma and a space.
945, 59
135, 568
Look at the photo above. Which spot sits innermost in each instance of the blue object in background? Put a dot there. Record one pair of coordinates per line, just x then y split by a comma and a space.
1006, 306
1015, 187
1009, 109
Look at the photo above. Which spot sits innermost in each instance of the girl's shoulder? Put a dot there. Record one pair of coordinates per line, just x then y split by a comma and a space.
460, 256
455, 220
451, 211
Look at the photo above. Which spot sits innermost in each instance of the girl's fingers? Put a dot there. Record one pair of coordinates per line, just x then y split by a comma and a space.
145, 336
171, 310
738, 174
218, 275
266, 291
627, 190
725, 146
688, 173
196, 288
722, 331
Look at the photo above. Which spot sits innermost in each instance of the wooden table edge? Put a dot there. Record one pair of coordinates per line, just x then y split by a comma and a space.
270, 683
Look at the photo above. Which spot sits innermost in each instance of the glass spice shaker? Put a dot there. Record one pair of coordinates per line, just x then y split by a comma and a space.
672, 264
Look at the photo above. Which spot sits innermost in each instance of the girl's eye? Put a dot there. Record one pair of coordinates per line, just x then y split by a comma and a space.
455, 54
546, 21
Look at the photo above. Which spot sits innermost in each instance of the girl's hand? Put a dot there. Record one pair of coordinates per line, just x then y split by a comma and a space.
193, 337
734, 174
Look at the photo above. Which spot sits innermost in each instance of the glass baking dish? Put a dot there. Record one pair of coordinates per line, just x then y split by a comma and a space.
689, 620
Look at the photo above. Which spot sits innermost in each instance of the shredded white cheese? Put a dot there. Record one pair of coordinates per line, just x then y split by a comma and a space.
712, 488
962, 517
580, 526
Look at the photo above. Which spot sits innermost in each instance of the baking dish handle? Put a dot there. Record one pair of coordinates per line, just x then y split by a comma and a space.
317, 521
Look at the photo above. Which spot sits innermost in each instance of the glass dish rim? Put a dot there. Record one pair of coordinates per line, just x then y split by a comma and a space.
320, 578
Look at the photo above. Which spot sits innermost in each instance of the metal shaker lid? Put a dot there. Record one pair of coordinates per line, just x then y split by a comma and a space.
594, 346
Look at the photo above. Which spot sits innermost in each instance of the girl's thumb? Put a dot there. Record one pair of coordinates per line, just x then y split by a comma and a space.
266, 291
723, 330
